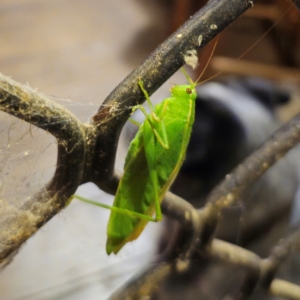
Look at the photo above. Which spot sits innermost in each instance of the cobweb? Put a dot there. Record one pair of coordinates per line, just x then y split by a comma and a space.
27, 159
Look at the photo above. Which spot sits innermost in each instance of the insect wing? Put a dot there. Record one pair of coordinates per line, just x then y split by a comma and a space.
130, 195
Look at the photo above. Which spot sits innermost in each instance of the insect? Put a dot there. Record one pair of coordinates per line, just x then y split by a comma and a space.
153, 160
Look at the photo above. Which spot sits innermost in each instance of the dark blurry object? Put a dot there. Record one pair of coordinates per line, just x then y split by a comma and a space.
297, 3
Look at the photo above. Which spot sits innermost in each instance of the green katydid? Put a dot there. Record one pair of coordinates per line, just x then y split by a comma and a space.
153, 160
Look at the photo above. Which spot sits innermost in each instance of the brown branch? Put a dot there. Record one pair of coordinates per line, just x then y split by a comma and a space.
233, 187
288, 290
286, 246
247, 68
256, 268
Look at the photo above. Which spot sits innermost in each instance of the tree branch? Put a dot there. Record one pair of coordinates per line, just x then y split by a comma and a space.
233, 187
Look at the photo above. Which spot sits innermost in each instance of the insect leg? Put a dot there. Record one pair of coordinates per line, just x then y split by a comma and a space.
141, 84
161, 139
163, 131
150, 153
135, 122
113, 208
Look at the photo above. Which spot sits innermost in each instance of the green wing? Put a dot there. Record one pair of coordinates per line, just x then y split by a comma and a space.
130, 195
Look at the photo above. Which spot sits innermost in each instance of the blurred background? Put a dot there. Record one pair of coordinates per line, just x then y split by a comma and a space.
76, 52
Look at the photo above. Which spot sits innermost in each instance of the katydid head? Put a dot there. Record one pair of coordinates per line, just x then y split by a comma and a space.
184, 91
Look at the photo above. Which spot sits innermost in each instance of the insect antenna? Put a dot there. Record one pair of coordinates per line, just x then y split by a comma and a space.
192, 83
207, 63
247, 51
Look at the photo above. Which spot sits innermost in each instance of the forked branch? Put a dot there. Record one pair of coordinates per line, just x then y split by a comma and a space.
86, 152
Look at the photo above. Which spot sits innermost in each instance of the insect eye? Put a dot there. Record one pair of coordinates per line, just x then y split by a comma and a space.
188, 91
